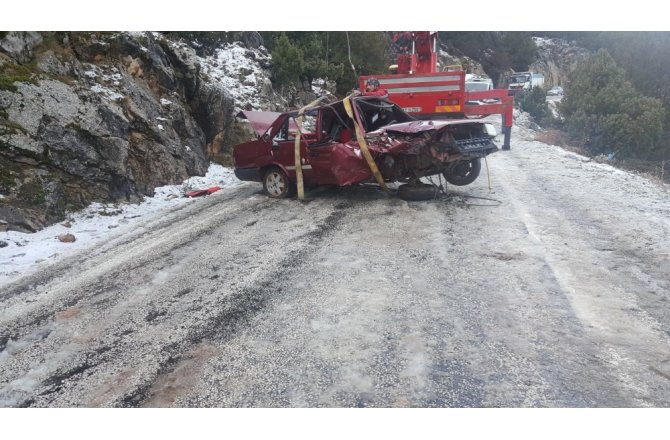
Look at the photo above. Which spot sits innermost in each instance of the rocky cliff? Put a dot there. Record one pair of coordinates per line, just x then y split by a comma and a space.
557, 58
109, 116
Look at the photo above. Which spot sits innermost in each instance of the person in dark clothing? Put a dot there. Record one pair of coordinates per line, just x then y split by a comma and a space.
373, 88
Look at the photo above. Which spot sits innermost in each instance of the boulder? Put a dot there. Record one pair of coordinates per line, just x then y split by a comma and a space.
67, 238
101, 133
252, 39
19, 45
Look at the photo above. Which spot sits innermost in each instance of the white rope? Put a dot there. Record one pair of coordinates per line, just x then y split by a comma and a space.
349, 49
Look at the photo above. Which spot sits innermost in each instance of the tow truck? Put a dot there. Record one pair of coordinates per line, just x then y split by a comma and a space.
426, 92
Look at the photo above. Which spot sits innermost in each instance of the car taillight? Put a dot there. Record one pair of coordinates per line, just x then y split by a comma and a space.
447, 102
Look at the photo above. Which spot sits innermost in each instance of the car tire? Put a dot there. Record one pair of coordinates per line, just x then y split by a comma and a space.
464, 172
415, 193
276, 184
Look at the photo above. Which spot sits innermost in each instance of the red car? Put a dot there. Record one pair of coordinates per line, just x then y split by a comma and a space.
404, 149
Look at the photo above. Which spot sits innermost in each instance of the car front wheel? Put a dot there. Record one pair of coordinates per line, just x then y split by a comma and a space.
276, 183
463, 172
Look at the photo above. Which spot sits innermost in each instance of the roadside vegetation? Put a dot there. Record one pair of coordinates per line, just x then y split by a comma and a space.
607, 114
617, 103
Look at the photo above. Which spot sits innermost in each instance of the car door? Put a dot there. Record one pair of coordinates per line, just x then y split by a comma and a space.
322, 154
320, 162
283, 149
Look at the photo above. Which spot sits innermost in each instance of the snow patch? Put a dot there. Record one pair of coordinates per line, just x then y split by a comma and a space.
114, 78
553, 108
238, 70
137, 33
543, 42
28, 253
165, 101
321, 87
107, 93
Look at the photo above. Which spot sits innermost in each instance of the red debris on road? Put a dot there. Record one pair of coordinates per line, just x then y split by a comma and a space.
202, 192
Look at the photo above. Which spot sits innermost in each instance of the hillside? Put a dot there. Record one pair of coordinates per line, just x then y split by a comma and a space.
110, 116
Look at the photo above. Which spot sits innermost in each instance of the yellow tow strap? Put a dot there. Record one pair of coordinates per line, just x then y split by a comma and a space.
298, 163
360, 137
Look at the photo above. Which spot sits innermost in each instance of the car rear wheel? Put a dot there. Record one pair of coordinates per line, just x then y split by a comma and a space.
276, 184
463, 172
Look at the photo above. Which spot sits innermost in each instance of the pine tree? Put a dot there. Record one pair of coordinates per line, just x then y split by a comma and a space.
287, 62
604, 111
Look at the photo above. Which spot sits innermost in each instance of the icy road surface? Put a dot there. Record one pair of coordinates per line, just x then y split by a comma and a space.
556, 296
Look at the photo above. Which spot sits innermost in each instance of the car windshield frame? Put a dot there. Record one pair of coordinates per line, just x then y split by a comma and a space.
376, 113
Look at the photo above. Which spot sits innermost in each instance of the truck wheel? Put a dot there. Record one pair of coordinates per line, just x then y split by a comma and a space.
417, 192
463, 172
276, 184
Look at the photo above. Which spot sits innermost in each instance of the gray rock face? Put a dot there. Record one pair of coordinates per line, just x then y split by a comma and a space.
468, 64
108, 118
556, 59
19, 45
252, 40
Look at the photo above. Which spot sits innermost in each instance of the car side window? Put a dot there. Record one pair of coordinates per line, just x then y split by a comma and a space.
284, 134
309, 123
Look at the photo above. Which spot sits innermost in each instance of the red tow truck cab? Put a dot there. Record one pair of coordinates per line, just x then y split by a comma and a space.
438, 95
427, 93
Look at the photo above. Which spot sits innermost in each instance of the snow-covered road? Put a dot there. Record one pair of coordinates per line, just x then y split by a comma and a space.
551, 291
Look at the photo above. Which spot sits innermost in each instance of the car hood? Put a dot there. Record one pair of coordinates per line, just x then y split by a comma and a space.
261, 121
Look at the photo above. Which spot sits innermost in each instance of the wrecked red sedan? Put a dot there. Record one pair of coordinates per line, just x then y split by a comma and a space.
403, 149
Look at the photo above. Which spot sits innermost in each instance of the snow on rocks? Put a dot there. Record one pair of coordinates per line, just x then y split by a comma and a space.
114, 77
240, 72
27, 253
542, 42
107, 93
553, 108
96, 75
321, 87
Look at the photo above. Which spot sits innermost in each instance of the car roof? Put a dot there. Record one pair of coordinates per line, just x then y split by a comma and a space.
262, 120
